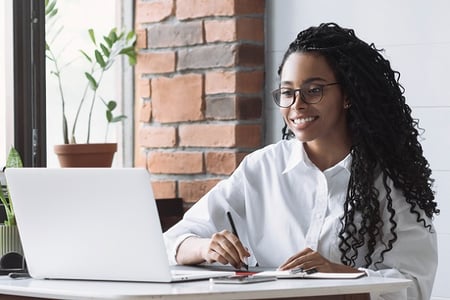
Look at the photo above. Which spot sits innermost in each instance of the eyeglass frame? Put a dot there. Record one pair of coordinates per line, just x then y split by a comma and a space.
302, 96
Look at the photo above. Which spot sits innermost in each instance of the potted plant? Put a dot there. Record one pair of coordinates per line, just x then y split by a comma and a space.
9, 235
105, 52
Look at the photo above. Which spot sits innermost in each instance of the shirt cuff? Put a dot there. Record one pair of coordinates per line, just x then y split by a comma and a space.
173, 248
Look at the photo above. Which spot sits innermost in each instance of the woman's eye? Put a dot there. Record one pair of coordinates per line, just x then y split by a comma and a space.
314, 90
287, 92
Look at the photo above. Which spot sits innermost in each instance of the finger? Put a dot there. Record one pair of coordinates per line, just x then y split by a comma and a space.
295, 260
238, 246
233, 246
221, 244
213, 256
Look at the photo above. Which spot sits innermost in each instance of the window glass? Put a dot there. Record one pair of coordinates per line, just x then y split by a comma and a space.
73, 20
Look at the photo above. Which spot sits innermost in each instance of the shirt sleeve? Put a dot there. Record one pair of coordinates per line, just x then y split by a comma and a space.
414, 255
208, 215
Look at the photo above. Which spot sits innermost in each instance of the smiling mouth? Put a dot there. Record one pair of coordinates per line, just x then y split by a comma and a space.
299, 121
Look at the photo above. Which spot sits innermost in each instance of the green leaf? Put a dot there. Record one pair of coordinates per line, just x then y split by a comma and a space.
108, 41
118, 119
128, 50
105, 50
130, 36
92, 35
3, 196
54, 73
111, 105
113, 35
52, 13
132, 60
92, 82
14, 160
86, 55
109, 116
99, 59
49, 8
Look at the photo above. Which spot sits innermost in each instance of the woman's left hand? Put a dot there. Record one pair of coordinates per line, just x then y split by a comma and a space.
308, 260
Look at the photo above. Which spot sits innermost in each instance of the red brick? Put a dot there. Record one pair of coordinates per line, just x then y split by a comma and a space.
249, 136
153, 11
157, 136
175, 162
221, 107
141, 38
192, 191
164, 189
229, 135
220, 30
207, 57
234, 82
245, 7
156, 62
143, 88
223, 163
250, 55
145, 114
250, 29
250, 82
175, 34
249, 108
190, 9
140, 156
178, 99
206, 135
220, 82
229, 30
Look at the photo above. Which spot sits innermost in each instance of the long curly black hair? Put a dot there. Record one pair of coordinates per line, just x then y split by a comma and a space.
384, 139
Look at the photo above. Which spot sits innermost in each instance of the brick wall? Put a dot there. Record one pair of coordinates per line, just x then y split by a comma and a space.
199, 91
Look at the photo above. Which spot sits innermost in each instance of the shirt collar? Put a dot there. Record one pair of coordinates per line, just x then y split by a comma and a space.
298, 156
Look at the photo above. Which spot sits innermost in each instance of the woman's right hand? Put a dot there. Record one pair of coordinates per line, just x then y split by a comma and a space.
223, 247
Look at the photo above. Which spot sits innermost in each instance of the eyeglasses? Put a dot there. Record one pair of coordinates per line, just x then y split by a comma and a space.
309, 94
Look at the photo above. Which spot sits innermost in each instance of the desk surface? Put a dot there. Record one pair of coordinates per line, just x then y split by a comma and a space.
282, 288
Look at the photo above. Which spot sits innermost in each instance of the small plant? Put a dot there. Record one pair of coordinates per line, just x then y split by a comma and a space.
116, 43
14, 161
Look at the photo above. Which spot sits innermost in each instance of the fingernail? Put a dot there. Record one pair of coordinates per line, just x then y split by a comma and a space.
245, 263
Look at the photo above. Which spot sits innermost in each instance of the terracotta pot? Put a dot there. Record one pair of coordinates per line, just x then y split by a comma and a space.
86, 155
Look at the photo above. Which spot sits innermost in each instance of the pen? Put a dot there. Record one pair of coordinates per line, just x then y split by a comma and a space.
233, 228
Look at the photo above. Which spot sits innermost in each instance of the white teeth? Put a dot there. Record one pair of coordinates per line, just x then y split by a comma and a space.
303, 120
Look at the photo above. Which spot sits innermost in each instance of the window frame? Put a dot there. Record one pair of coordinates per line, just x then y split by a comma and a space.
29, 81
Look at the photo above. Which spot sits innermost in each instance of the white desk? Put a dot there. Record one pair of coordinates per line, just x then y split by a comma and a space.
198, 290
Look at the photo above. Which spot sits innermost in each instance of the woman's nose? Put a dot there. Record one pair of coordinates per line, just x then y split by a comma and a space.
298, 101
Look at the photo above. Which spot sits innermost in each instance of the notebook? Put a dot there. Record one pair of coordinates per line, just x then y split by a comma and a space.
93, 224
297, 274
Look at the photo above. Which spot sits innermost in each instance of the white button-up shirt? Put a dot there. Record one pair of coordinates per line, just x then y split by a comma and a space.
281, 203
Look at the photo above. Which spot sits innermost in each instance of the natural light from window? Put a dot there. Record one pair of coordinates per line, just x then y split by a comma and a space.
75, 18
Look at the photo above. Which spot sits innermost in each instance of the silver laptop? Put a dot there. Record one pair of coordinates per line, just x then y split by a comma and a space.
92, 223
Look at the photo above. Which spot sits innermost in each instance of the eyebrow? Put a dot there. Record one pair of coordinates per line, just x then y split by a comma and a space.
309, 80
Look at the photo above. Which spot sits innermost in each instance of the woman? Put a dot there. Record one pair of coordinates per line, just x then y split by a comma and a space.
349, 190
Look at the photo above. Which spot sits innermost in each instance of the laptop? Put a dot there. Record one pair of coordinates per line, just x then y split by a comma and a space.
92, 224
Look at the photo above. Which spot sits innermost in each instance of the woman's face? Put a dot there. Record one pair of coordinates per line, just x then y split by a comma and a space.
325, 120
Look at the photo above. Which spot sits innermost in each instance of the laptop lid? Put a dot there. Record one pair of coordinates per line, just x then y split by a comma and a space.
91, 223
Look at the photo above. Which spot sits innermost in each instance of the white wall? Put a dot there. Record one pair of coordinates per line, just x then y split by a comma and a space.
415, 35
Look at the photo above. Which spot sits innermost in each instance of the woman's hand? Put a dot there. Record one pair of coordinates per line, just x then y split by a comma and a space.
308, 260
223, 247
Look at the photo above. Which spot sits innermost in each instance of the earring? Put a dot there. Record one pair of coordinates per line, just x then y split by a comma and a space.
347, 105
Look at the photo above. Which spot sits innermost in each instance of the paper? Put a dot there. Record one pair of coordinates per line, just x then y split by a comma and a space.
288, 274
